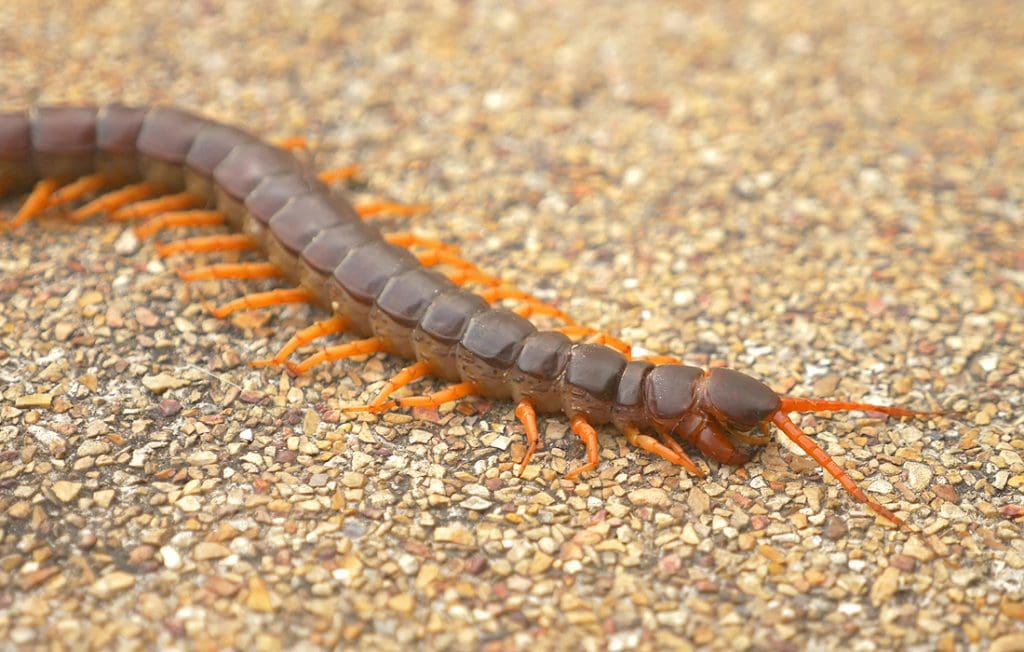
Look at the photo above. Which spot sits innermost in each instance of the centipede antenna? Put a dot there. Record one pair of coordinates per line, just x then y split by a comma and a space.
796, 404
808, 445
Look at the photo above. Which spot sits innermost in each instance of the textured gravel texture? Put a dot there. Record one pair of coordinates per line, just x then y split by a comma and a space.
828, 197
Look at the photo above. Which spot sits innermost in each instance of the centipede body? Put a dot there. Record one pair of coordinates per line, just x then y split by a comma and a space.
183, 169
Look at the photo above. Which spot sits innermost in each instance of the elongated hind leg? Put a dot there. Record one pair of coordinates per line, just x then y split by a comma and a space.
37, 202
323, 328
408, 375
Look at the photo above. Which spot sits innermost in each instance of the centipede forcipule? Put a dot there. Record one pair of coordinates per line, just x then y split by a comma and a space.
178, 169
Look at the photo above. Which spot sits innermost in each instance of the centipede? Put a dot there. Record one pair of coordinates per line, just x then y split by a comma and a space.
166, 168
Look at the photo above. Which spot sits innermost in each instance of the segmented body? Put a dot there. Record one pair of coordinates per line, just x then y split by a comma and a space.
382, 291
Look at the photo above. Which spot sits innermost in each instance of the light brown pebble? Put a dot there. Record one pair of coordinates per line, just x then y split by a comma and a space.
33, 400
1012, 609
402, 603
34, 578
917, 549
162, 382
1008, 643
457, 534
221, 586
206, 550
427, 574
202, 458
650, 496
66, 490
112, 583
689, 535
885, 586
259, 598
103, 497
19, 509
189, 504
540, 563
63, 330
353, 479
918, 475
90, 299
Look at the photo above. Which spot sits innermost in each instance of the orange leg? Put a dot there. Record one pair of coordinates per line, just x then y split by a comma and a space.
670, 450
661, 359
232, 242
825, 460
464, 275
597, 337
338, 174
410, 374
537, 308
178, 202
263, 300
439, 398
586, 432
465, 271
406, 239
527, 415
492, 295
176, 219
320, 329
372, 209
230, 270
339, 352
79, 188
441, 257
36, 203
295, 142
113, 200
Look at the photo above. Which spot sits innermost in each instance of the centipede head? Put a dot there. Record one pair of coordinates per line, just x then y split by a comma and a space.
739, 404
737, 401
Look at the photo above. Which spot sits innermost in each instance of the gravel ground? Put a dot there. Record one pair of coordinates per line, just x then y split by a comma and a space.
829, 197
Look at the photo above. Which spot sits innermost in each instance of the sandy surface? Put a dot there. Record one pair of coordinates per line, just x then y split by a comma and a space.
830, 199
